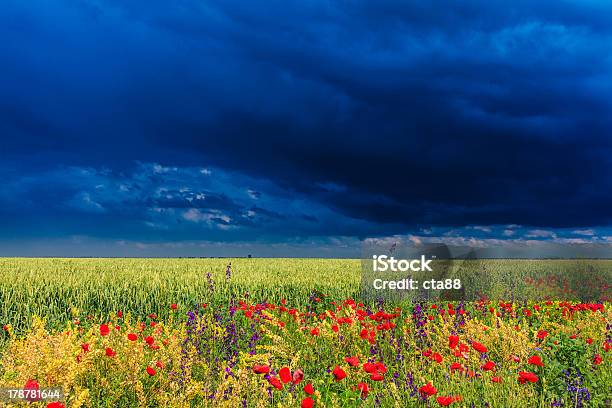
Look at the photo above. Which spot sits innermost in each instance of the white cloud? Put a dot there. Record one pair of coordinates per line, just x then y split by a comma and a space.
587, 232
539, 233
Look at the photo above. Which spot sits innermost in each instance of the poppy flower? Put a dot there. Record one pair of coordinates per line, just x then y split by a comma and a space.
261, 369
308, 389
535, 360
369, 368
132, 337
110, 352
453, 341
119, 314
104, 330
307, 402
488, 366
85, 347
151, 371
597, 359
376, 377
159, 364
437, 358
589, 340
173, 306
149, 340
380, 367
55, 404
456, 366
496, 379
339, 373
285, 375
363, 387
526, 376
275, 382
298, 376
446, 401
479, 347
542, 334
428, 390
353, 361
335, 328
315, 331
32, 385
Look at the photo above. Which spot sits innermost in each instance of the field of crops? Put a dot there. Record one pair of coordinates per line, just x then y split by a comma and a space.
288, 332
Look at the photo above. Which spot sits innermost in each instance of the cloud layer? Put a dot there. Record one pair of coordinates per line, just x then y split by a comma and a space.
224, 121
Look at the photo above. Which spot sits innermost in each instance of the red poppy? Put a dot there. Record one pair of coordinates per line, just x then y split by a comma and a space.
308, 389
369, 367
261, 369
479, 347
446, 401
151, 371
339, 373
353, 361
104, 330
32, 385
307, 402
275, 382
428, 390
149, 340
437, 358
453, 341
363, 387
159, 364
542, 334
298, 376
589, 340
110, 352
597, 359
456, 366
119, 314
335, 328
376, 377
285, 375
132, 337
173, 306
55, 404
488, 366
380, 367
315, 331
526, 376
496, 379
535, 360
85, 347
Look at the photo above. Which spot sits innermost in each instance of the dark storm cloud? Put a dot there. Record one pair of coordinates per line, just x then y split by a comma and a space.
389, 115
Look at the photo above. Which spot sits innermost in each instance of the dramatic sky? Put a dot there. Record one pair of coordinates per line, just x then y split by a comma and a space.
299, 128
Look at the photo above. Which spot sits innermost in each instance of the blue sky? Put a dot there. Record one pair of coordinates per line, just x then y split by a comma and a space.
301, 128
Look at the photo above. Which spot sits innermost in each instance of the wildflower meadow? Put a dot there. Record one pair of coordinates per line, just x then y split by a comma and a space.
286, 333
